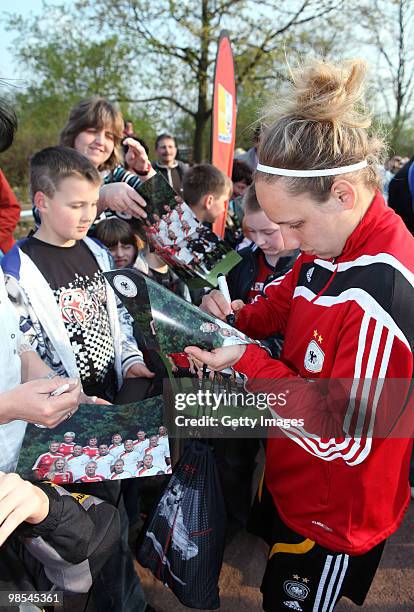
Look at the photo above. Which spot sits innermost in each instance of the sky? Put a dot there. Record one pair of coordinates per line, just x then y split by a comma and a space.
8, 68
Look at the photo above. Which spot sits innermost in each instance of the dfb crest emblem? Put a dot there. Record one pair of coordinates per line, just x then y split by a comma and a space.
314, 357
296, 589
125, 285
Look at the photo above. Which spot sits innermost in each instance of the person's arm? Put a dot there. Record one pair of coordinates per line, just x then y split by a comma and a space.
33, 366
359, 402
19, 501
267, 315
32, 402
9, 214
60, 529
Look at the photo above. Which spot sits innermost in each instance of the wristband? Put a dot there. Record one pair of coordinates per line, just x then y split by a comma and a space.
144, 173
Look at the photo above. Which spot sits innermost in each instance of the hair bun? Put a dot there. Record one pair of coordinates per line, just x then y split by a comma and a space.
321, 122
324, 92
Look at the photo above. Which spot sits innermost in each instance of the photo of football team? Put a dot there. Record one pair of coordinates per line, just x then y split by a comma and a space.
68, 460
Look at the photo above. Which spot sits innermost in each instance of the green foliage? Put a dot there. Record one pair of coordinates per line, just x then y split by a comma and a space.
403, 144
40, 121
64, 66
178, 44
252, 98
156, 59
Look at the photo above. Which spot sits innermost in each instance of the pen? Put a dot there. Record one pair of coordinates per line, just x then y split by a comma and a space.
222, 285
58, 391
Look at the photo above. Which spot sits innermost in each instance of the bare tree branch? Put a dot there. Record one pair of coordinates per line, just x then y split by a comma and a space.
157, 99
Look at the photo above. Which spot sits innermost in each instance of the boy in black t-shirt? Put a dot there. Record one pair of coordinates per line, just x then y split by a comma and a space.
68, 312
70, 315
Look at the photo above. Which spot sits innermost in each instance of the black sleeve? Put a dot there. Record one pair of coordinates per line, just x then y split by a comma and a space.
241, 277
399, 197
79, 529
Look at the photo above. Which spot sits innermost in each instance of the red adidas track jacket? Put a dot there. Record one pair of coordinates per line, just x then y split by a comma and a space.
337, 480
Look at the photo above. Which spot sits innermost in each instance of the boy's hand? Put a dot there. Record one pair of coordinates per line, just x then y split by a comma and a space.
32, 402
19, 501
215, 303
139, 370
121, 197
218, 359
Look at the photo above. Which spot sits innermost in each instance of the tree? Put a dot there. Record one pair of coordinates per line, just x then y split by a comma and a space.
391, 27
176, 43
63, 66
66, 63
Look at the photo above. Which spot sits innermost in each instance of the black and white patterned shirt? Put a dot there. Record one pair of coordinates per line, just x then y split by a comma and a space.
80, 292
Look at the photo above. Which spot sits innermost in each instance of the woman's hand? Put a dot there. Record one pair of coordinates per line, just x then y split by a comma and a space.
218, 359
32, 402
216, 305
121, 197
137, 159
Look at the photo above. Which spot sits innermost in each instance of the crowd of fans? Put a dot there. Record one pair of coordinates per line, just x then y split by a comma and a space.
72, 327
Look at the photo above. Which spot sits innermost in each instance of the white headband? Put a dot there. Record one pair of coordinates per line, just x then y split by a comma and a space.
309, 173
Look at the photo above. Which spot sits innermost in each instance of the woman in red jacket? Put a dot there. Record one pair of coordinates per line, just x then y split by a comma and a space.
337, 486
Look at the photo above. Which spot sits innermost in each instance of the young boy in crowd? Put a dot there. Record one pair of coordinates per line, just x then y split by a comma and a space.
67, 310
130, 251
35, 558
206, 191
265, 259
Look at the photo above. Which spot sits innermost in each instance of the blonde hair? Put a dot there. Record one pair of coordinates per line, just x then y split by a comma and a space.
321, 123
52, 473
97, 113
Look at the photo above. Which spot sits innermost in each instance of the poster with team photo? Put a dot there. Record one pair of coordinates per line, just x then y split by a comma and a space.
166, 322
193, 250
99, 443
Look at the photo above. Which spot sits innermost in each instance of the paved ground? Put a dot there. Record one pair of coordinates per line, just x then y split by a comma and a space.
392, 590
